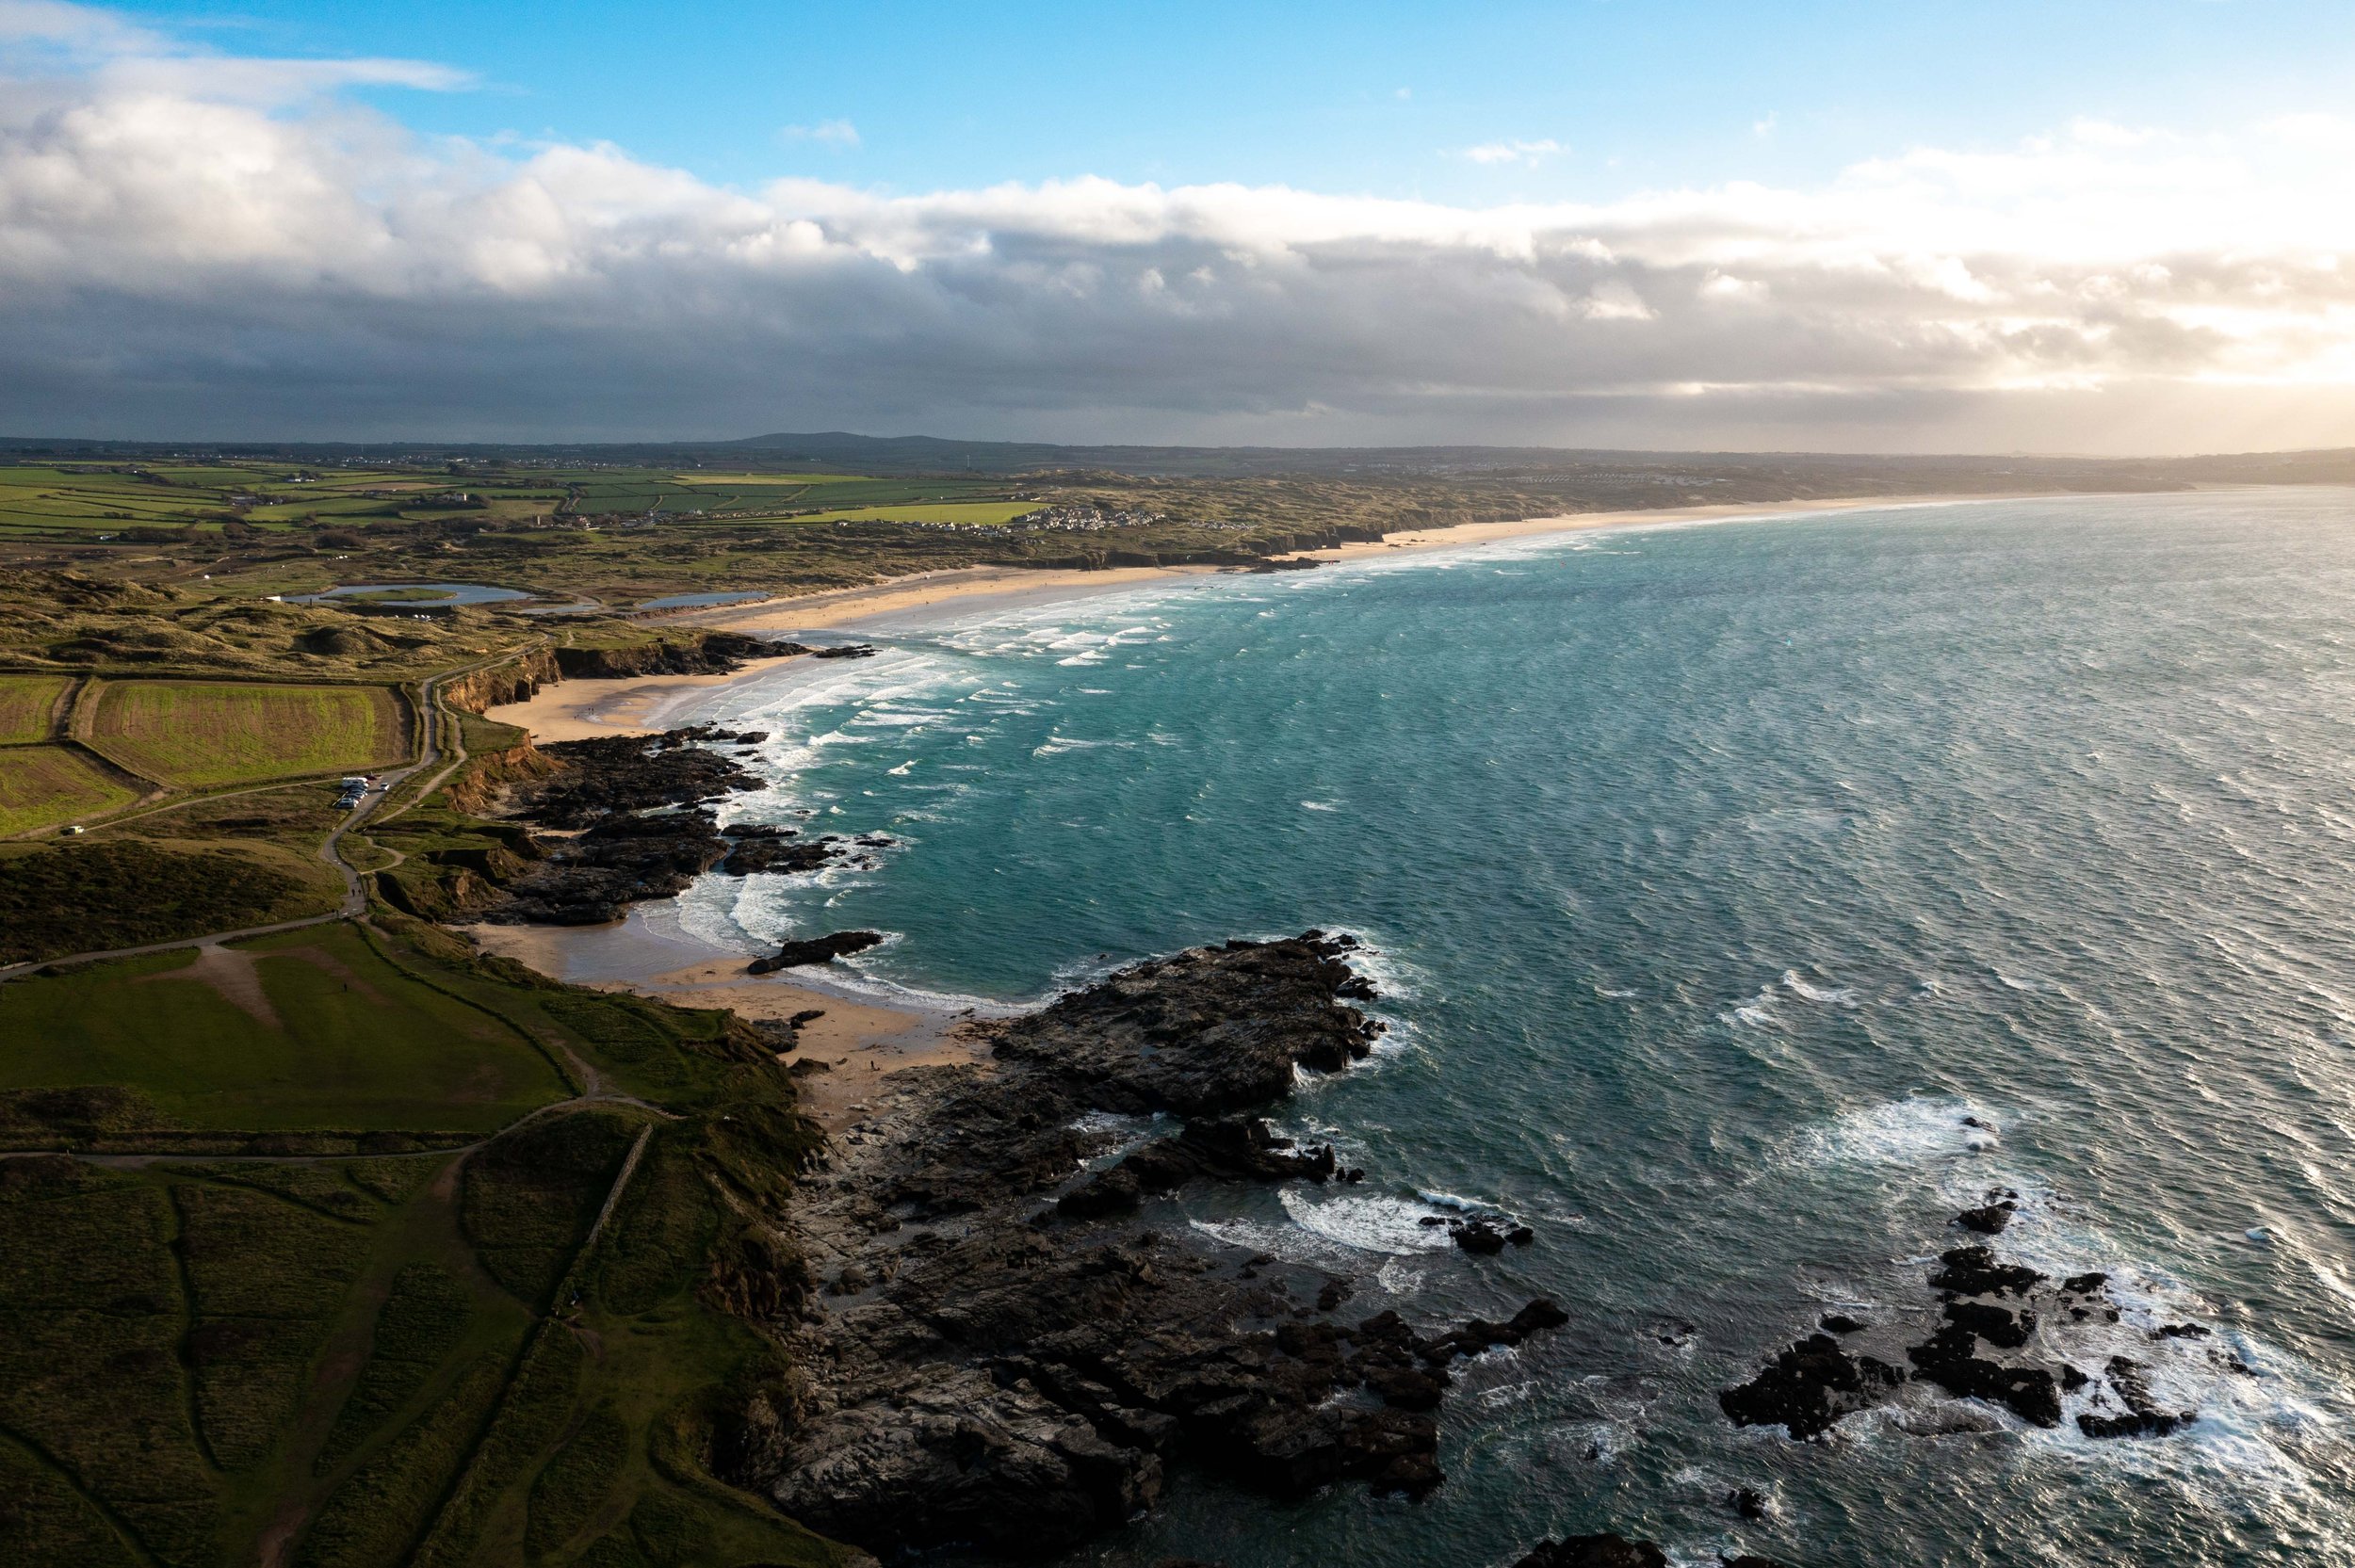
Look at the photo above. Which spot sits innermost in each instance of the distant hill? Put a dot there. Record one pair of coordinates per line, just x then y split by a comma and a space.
921, 454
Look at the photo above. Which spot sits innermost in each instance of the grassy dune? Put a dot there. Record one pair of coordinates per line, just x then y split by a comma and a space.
197, 735
26, 702
41, 786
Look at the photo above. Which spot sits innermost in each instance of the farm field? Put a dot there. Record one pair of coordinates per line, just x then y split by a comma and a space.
978, 512
305, 1029
27, 703
45, 786
198, 735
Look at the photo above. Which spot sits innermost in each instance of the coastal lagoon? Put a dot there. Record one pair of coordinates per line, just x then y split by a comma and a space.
1746, 899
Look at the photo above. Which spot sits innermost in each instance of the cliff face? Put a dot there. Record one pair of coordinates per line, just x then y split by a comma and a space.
518, 681
475, 790
706, 654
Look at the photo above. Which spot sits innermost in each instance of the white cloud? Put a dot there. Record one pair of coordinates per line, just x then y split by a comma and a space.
1515, 151
838, 133
196, 244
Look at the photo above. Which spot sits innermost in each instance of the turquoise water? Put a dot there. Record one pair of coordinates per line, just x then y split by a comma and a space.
1715, 873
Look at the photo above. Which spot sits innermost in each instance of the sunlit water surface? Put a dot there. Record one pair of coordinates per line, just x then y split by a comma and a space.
1714, 874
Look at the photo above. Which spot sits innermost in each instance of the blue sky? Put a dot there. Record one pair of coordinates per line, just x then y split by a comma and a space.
2000, 226
1380, 97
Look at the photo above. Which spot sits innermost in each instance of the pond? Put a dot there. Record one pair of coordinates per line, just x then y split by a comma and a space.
414, 594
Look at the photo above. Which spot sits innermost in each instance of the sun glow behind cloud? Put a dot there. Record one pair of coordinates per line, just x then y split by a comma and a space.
190, 238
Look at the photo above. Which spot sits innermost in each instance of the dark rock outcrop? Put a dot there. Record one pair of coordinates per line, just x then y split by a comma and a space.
814, 950
1021, 1377
1974, 1271
1808, 1387
1947, 1358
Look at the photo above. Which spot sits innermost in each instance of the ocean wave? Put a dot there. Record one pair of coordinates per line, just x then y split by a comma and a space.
1366, 1223
1838, 995
1900, 1132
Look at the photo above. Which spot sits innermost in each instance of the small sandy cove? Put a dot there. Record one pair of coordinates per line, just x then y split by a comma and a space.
860, 1044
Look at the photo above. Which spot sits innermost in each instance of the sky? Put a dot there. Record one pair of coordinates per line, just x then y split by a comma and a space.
1928, 227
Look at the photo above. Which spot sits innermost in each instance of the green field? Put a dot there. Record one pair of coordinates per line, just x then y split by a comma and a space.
945, 511
27, 703
311, 1029
197, 735
43, 786
393, 1355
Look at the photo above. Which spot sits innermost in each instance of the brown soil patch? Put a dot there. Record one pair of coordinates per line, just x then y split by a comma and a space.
232, 977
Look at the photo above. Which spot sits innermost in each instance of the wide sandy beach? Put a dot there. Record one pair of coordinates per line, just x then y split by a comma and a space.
578, 710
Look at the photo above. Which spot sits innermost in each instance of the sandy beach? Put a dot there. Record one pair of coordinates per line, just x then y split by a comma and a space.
856, 1044
631, 704
579, 710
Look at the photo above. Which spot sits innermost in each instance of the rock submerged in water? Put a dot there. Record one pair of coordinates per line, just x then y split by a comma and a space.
2142, 1417
1814, 1385
1018, 1376
1594, 1551
815, 950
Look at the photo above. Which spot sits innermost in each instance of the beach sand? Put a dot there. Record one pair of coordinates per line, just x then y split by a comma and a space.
630, 704
578, 710
861, 1043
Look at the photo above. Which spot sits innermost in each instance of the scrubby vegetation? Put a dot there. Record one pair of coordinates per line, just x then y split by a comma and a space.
98, 894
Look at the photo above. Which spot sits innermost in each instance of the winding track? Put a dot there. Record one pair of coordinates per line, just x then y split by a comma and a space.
355, 900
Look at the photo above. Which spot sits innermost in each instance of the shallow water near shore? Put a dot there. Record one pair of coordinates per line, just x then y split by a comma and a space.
1715, 876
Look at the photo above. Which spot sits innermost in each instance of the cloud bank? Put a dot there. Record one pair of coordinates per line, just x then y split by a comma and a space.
194, 244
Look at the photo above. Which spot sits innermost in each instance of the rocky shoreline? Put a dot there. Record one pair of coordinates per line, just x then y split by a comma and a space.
621, 819
994, 1349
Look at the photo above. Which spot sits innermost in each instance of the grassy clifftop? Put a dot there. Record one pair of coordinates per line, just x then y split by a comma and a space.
428, 1260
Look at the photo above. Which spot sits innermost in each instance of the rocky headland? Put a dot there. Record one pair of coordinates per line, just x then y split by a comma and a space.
994, 1345
622, 819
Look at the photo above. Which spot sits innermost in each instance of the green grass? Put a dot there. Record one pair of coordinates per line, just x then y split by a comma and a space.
92, 1318
530, 1197
88, 895
267, 1277
309, 1029
27, 706
195, 735
424, 1319
46, 786
947, 511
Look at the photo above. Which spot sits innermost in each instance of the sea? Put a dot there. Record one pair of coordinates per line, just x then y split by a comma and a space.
1746, 899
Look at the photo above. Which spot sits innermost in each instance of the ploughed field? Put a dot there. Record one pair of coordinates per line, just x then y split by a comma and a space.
42, 786
28, 707
195, 735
